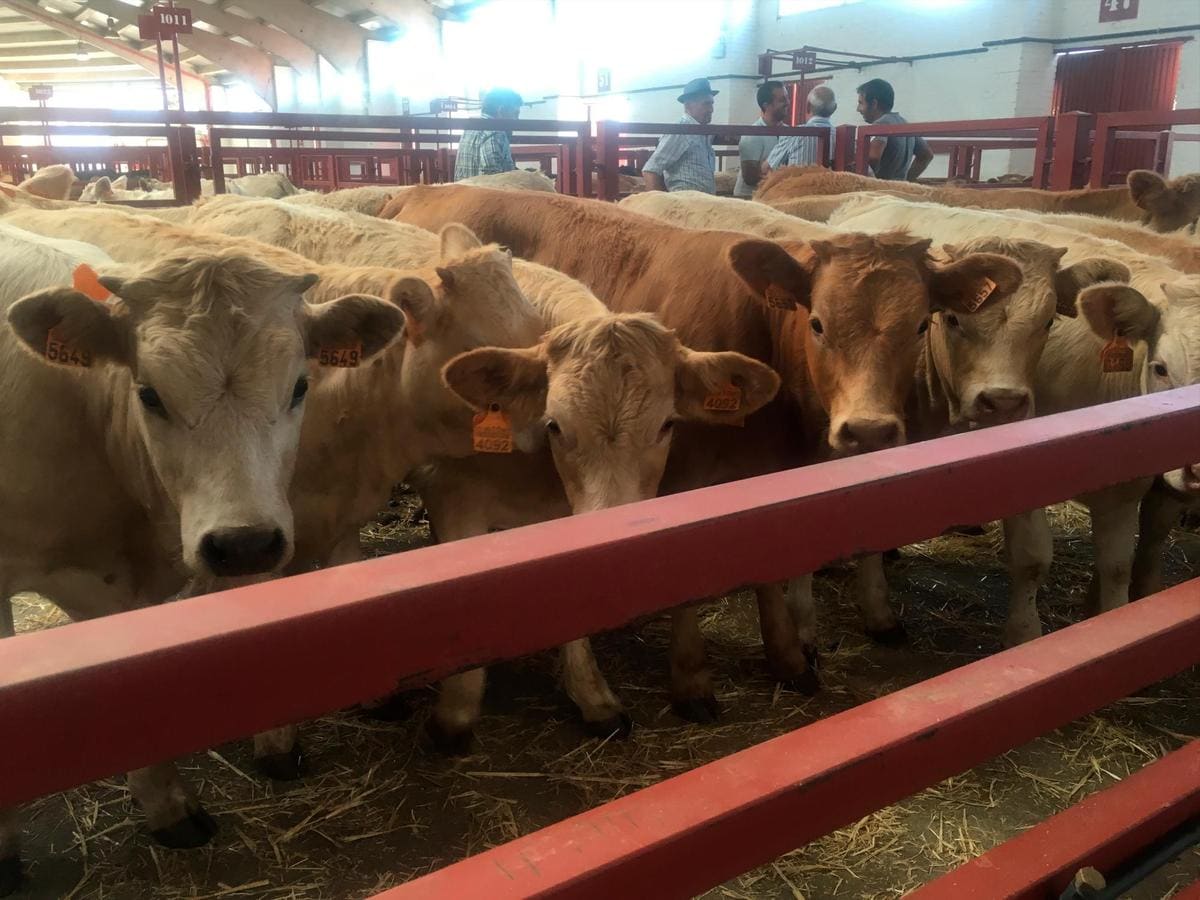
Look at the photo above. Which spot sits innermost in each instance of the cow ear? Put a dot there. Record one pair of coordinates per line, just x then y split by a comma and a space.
1070, 281
355, 322
1118, 309
63, 327
1146, 187
457, 240
416, 301
966, 284
516, 381
721, 387
772, 273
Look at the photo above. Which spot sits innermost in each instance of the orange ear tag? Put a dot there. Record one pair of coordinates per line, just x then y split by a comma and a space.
727, 399
85, 280
1117, 356
492, 431
778, 298
985, 290
340, 357
59, 351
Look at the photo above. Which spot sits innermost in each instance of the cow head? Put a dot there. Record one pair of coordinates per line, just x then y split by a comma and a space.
986, 360
1170, 331
474, 302
206, 356
863, 307
1166, 205
607, 391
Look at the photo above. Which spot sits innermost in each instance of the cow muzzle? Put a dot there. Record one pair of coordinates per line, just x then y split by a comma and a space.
243, 550
862, 434
997, 406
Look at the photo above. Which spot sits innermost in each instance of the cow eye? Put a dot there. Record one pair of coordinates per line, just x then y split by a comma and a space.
667, 427
151, 401
299, 391
1159, 369
924, 327
816, 326
553, 428
1050, 324
952, 320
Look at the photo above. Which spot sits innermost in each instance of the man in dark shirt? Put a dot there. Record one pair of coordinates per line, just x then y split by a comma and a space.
900, 157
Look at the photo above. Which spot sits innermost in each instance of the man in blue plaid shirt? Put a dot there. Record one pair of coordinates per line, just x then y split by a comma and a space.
686, 162
488, 152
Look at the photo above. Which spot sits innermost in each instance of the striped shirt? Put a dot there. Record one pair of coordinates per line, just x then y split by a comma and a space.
801, 151
686, 161
483, 153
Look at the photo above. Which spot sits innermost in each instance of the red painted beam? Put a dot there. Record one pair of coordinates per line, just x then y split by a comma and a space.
1191, 892
103, 696
1102, 831
696, 830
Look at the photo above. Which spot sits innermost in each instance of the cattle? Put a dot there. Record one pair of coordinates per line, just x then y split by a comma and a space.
371, 199
975, 368
150, 438
51, 182
1158, 313
1147, 197
582, 356
801, 307
102, 190
694, 209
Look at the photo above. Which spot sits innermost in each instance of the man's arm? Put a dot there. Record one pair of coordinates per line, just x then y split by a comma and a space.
922, 156
875, 153
665, 156
779, 155
752, 172
494, 154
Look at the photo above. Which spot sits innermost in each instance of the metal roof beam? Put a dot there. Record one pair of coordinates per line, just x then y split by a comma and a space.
296, 53
341, 42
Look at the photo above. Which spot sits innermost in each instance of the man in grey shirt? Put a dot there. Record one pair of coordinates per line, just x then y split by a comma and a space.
753, 149
901, 157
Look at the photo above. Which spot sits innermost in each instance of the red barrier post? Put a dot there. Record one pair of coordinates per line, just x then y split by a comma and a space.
1102, 831
608, 138
1071, 148
844, 148
690, 833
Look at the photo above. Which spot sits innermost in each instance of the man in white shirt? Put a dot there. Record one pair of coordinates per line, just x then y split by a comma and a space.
753, 149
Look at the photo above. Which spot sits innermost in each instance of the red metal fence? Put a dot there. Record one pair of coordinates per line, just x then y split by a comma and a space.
72, 700
411, 150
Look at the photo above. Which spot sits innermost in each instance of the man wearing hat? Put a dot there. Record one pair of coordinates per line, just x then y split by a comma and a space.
686, 162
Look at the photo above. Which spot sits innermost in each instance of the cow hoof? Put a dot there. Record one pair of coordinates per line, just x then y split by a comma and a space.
11, 875
812, 656
194, 830
895, 636
619, 726
284, 766
393, 708
450, 743
700, 710
806, 683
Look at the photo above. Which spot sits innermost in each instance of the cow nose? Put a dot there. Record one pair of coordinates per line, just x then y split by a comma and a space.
244, 550
869, 434
1002, 405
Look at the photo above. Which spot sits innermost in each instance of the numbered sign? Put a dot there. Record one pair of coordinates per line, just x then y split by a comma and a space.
804, 60
41, 92
1116, 10
172, 20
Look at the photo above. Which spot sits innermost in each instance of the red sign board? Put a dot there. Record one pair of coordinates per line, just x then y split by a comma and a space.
172, 20
804, 60
41, 92
1116, 10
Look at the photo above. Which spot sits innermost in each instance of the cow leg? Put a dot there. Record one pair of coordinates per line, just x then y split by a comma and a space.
458, 708
1160, 511
1114, 530
277, 753
585, 685
804, 614
1030, 549
174, 815
873, 601
692, 695
781, 641
11, 874
8, 626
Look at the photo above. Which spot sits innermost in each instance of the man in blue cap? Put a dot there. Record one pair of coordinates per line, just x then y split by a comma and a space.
686, 162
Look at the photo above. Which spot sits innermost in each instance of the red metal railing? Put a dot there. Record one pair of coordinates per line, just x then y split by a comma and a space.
72, 700
1109, 124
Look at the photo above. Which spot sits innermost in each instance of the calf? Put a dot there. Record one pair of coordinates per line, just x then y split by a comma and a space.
182, 398
1158, 312
840, 320
1147, 197
51, 182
